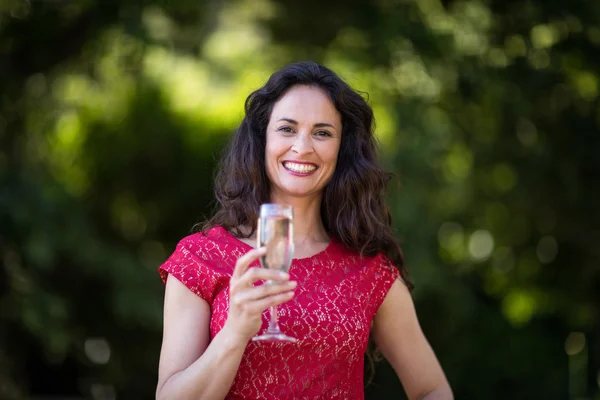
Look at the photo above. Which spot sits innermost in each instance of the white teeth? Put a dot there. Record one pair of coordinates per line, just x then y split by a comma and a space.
302, 168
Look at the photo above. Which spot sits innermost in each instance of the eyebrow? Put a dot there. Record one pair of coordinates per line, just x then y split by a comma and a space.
317, 125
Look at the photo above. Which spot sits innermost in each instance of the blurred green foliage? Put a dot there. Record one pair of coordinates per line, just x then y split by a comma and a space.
112, 114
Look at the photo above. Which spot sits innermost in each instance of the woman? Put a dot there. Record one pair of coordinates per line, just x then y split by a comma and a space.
306, 140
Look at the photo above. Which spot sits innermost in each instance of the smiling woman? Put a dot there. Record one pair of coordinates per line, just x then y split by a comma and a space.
307, 141
303, 141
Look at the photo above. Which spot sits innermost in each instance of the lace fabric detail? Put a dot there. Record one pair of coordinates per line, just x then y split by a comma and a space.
337, 296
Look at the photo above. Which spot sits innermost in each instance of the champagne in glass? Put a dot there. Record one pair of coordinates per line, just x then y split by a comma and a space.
275, 232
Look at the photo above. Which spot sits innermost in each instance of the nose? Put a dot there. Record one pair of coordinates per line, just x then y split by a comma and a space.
303, 144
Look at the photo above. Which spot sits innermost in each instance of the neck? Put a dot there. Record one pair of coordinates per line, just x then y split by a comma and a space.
308, 225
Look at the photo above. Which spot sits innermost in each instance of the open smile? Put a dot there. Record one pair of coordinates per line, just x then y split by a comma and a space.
300, 168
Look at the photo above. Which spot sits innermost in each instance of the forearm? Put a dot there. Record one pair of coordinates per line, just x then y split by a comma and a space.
441, 393
210, 376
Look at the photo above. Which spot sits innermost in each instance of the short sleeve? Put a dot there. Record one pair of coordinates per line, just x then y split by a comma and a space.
192, 264
383, 273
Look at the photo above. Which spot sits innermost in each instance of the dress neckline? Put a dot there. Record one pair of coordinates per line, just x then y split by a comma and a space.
244, 244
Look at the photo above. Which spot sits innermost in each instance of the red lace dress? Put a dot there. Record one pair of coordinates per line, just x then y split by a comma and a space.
337, 296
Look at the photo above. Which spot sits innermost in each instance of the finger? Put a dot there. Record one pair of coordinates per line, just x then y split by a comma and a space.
243, 263
257, 274
261, 305
264, 291
254, 275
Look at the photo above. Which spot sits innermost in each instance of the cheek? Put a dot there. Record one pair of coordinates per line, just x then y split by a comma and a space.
273, 153
331, 155
269, 150
274, 147
271, 156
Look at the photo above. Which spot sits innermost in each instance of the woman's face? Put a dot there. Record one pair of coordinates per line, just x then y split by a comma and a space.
303, 140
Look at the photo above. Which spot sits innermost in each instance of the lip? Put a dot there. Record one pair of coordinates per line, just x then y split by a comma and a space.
300, 162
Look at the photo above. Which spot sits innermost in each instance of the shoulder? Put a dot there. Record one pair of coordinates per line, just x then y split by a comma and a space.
216, 245
379, 259
202, 261
382, 268
378, 266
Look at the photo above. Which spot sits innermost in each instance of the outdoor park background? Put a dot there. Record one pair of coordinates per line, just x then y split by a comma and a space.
112, 114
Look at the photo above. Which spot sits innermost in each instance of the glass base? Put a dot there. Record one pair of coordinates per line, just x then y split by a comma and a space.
274, 337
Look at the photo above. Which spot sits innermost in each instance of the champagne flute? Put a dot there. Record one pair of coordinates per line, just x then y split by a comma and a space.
276, 232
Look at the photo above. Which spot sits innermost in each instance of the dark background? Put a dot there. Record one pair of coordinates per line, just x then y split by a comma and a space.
112, 114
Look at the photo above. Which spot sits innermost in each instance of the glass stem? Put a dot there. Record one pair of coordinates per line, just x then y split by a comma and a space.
273, 326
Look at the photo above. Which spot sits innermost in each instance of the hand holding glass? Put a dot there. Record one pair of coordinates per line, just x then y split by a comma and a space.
275, 232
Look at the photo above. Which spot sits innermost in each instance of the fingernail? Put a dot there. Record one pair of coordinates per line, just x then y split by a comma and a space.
284, 275
293, 283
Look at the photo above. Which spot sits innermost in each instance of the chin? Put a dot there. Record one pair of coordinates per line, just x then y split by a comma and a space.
299, 192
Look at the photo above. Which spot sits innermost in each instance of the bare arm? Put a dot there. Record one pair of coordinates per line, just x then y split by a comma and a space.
187, 359
397, 333
193, 367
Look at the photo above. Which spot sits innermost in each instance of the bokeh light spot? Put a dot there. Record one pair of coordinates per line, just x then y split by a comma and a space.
103, 392
481, 245
543, 36
538, 59
593, 34
97, 350
575, 343
452, 240
586, 84
158, 25
519, 306
526, 132
515, 46
458, 163
497, 58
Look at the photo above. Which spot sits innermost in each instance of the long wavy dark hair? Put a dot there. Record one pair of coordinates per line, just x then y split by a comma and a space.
353, 209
